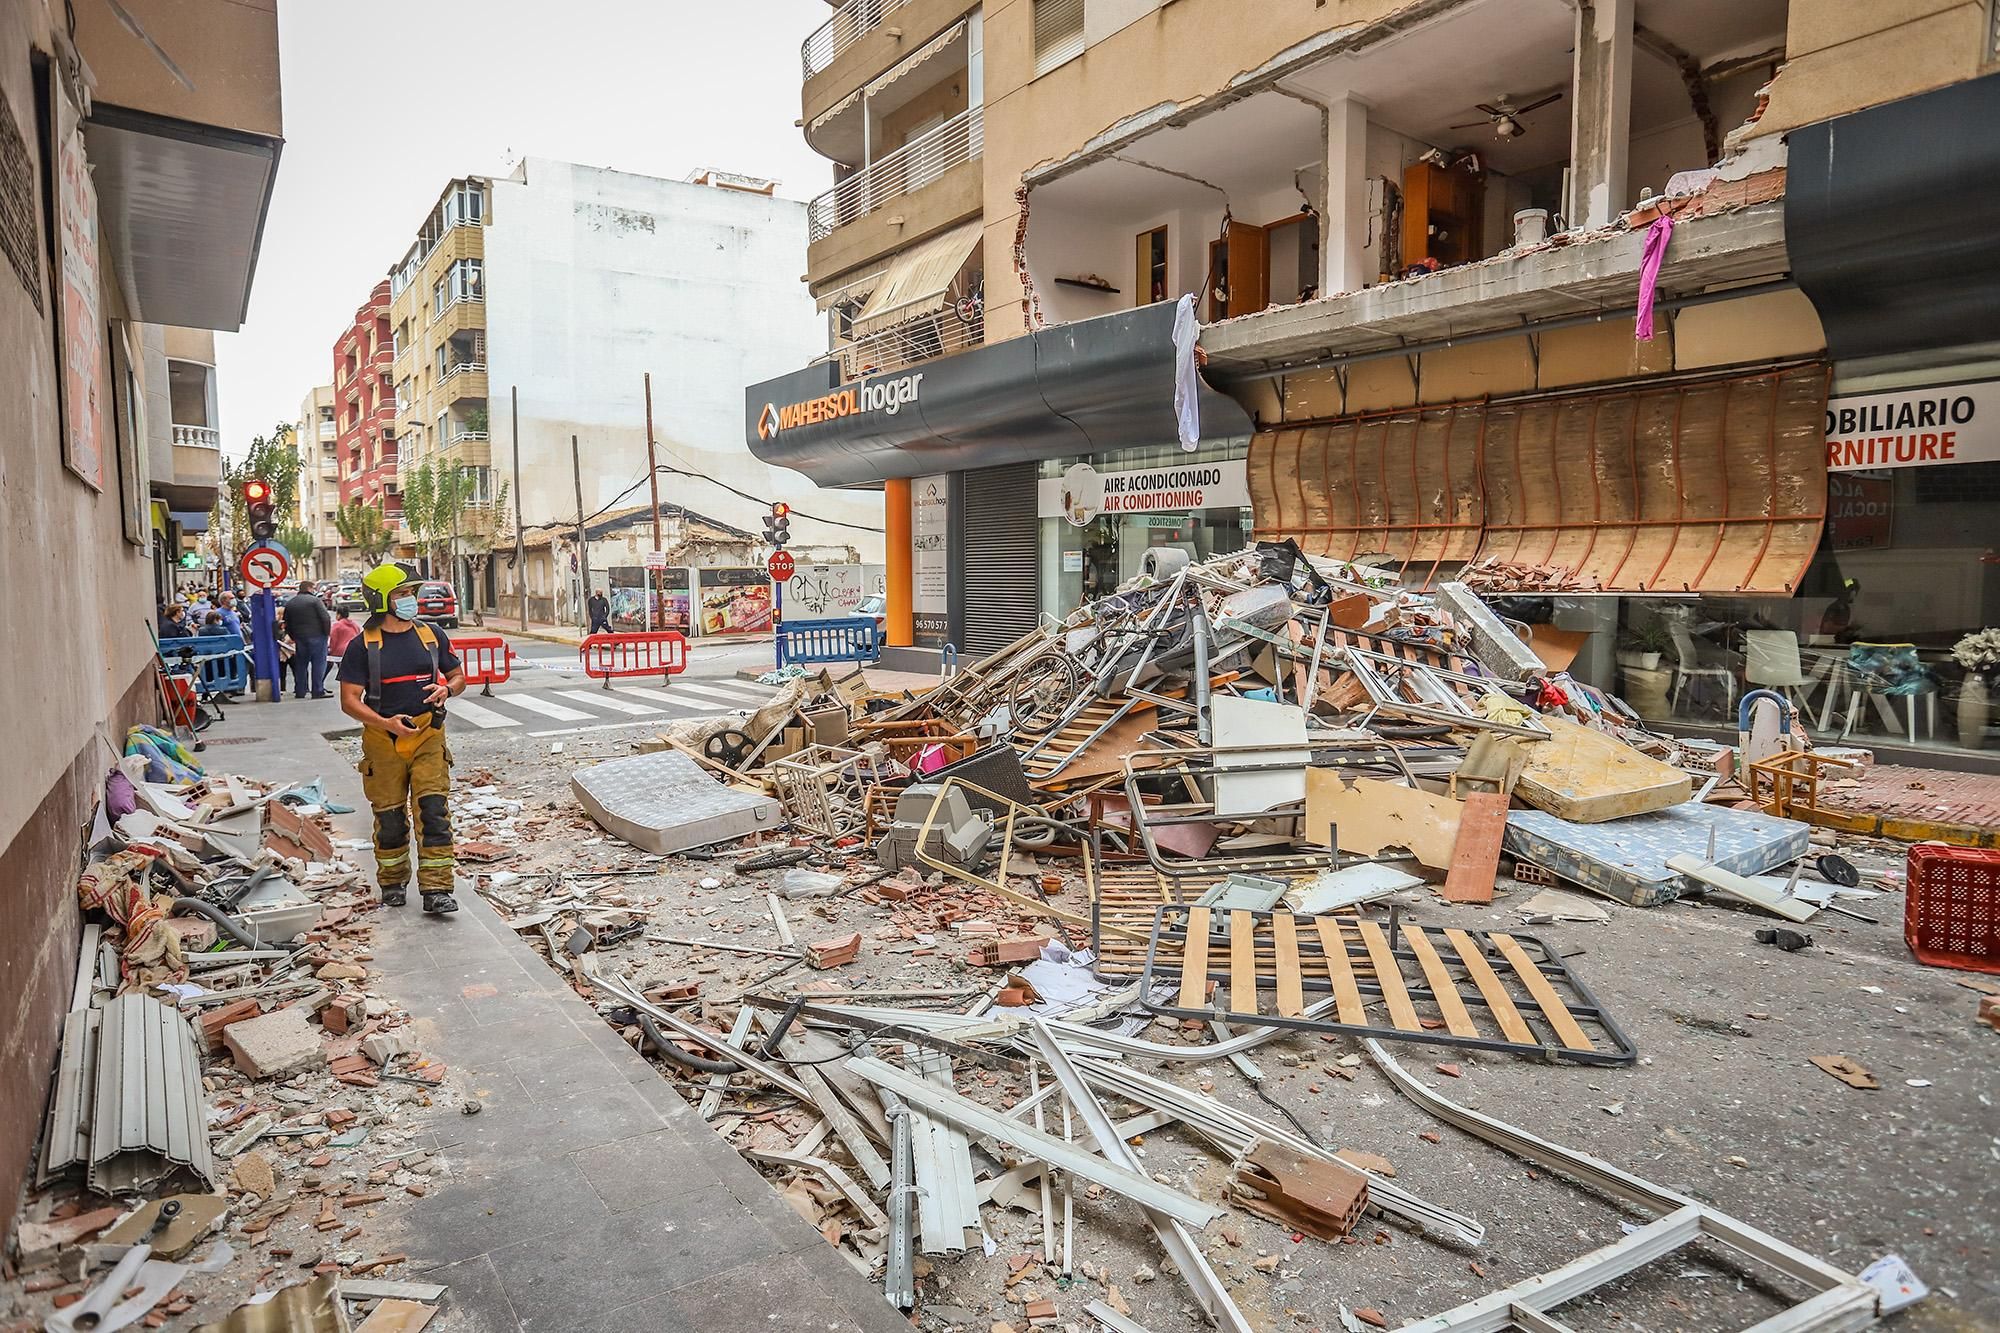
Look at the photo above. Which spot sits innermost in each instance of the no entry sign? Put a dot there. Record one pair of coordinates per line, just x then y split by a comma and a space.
264, 565
781, 566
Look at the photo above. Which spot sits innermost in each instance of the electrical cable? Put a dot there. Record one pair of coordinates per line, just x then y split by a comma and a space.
682, 472
673, 1051
1257, 1086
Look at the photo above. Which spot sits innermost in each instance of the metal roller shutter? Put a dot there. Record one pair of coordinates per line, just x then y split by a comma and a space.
1002, 570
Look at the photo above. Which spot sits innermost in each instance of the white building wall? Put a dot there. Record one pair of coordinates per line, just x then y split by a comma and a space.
594, 278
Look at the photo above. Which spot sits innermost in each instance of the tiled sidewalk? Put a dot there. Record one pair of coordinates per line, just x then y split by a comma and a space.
587, 1194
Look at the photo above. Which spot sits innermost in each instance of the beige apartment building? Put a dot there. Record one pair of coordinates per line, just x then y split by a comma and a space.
1414, 235
137, 186
437, 313
316, 436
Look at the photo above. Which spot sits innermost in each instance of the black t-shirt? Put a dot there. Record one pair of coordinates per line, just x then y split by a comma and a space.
406, 669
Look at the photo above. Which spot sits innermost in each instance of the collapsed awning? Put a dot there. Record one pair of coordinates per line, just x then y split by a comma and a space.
1086, 387
917, 281
1713, 484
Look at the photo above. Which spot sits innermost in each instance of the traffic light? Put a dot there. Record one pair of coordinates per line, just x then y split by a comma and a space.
257, 499
778, 525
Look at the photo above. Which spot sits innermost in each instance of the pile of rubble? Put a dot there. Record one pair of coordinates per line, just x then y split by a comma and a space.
235, 1112
940, 963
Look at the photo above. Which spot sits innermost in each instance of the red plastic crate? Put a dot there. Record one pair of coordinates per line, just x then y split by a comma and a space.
1951, 914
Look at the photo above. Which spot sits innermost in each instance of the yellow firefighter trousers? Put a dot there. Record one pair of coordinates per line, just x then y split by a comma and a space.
393, 783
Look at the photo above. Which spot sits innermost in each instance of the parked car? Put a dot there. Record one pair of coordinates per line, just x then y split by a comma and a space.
439, 602
347, 596
877, 606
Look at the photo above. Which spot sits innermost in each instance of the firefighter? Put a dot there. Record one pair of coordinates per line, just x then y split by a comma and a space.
394, 679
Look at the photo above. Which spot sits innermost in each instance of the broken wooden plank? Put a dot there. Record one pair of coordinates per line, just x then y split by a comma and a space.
1291, 988
1389, 976
397, 1316
1242, 963
1340, 972
1475, 856
1551, 1004
1498, 1001
1371, 815
1443, 989
1194, 960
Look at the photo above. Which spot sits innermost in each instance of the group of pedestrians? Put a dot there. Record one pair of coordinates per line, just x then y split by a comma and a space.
197, 614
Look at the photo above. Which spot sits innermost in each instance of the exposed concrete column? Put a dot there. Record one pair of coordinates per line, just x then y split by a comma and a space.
1601, 114
1344, 227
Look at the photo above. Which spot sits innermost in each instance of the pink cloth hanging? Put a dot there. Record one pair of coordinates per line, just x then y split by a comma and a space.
1657, 237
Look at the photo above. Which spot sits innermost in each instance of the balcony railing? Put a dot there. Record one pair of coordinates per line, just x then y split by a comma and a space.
198, 437
849, 24
910, 343
478, 366
458, 436
908, 169
328, 431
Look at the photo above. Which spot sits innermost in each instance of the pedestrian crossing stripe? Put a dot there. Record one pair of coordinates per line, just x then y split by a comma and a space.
606, 699
536, 704
674, 698
719, 691
634, 704
485, 718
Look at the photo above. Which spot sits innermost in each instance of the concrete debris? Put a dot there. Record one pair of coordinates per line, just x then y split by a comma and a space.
269, 990
916, 952
277, 1045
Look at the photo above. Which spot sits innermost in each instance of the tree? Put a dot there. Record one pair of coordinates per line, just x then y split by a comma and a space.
479, 546
296, 539
442, 509
361, 526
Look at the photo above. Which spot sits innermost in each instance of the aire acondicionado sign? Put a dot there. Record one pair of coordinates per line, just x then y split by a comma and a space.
1949, 423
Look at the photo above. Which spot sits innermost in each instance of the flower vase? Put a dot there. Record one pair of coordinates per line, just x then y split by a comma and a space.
1972, 711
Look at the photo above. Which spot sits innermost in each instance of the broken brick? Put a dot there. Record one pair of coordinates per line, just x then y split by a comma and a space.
215, 1020
1004, 953
834, 952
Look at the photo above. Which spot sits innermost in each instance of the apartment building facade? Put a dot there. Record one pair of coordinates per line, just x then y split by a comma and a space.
316, 436
533, 306
1414, 235
136, 191
183, 428
365, 419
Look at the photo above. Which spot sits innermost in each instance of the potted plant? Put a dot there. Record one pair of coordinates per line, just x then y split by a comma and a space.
1642, 645
1979, 655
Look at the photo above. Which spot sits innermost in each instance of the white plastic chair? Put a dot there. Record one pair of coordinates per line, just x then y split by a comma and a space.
1689, 666
1771, 659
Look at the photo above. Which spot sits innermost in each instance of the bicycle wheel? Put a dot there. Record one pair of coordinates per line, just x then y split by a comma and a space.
1043, 691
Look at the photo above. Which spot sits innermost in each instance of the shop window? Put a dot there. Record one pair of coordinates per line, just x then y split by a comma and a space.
1905, 571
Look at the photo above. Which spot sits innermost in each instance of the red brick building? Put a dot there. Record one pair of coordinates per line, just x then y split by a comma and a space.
365, 408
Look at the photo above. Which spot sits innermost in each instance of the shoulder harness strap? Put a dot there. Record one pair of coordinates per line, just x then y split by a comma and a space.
372, 640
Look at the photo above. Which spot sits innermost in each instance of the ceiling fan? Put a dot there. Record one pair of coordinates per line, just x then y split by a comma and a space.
1504, 117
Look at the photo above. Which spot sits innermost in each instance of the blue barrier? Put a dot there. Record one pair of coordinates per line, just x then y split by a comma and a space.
220, 665
856, 639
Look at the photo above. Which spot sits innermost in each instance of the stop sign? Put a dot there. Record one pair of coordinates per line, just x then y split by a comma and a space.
781, 566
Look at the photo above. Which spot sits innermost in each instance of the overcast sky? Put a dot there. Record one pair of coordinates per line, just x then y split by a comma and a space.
386, 100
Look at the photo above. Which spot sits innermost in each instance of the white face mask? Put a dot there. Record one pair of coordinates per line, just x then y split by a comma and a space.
404, 607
